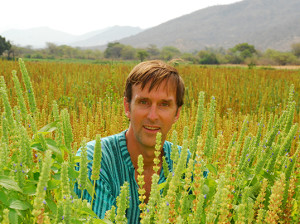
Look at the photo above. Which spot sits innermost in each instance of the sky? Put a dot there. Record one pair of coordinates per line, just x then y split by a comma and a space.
79, 17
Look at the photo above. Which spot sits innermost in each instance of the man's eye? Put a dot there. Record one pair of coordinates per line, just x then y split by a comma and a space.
165, 104
143, 102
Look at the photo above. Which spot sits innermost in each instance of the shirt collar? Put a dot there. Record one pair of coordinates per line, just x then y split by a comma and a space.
126, 155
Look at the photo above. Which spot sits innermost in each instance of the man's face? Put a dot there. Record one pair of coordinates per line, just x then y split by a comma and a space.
151, 112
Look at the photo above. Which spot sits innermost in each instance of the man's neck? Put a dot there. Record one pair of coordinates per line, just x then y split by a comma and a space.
135, 150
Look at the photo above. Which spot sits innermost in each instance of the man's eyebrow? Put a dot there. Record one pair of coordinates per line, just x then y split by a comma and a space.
167, 100
147, 98
142, 98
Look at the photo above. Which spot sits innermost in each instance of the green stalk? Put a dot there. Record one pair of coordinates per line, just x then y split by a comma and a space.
210, 129
20, 97
28, 85
199, 121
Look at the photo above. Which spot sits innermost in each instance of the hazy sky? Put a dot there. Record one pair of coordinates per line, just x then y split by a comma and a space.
79, 17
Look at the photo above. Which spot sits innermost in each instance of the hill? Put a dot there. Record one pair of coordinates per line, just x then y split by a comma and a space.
39, 36
107, 35
36, 37
262, 23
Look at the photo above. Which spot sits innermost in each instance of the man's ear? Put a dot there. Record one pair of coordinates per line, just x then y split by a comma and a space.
127, 107
177, 114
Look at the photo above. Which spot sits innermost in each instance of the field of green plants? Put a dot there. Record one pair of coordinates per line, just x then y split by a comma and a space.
240, 125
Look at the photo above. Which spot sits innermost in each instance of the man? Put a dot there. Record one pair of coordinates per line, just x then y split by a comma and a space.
153, 99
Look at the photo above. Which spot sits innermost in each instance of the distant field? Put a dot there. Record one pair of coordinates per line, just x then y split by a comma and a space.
84, 86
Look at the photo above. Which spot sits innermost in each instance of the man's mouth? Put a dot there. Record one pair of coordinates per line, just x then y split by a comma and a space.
151, 128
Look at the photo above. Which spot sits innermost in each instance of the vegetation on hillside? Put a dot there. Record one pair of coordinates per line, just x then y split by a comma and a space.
242, 53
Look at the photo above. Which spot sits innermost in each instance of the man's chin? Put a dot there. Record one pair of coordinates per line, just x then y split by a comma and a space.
150, 144
149, 141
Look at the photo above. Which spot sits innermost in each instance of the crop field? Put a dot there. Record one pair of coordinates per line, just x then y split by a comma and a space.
240, 125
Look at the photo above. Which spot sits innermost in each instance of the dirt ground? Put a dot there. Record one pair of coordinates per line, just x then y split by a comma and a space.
292, 67
285, 67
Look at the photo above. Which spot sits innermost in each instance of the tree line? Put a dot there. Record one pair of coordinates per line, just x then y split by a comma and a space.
242, 53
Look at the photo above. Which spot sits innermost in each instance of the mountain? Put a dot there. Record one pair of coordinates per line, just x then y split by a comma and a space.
38, 37
265, 24
108, 35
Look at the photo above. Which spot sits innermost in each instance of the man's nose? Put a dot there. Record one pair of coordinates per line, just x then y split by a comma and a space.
153, 113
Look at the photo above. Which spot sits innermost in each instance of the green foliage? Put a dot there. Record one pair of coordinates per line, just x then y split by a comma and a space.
281, 58
19, 91
207, 57
114, 50
42, 184
153, 50
296, 49
7, 108
4, 45
169, 52
245, 49
122, 204
240, 52
28, 85
128, 53
228, 174
142, 54
199, 122
209, 143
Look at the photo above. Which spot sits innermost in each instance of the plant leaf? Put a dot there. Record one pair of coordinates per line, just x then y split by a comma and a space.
102, 221
89, 187
53, 184
4, 198
73, 174
212, 169
13, 216
88, 211
162, 185
49, 127
9, 184
30, 189
51, 205
19, 205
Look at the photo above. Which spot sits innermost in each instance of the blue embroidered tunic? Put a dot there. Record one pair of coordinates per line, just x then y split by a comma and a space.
116, 168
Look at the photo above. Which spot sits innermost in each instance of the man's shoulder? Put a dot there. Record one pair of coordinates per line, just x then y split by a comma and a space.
169, 145
107, 143
167, 148
113, 140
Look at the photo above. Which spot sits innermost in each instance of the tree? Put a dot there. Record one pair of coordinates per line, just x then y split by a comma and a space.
142, 54
98, 54
113, 50
13, 52
281, 58
296, 49
153, 50
88, 53
244, 47
189, 57
128, 52
51, 48
68, 52
169, 52
240, 52
207, 57
4, 45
